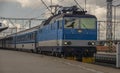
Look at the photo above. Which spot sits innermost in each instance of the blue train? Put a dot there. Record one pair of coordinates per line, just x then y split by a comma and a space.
70, 33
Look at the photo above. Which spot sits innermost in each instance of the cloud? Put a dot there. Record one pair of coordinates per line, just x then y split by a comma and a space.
5, 23
100, 12
93, 6
8, 24
29, 3
35, 3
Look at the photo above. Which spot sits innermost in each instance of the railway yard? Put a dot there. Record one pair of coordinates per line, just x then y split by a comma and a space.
72, 38
23, 62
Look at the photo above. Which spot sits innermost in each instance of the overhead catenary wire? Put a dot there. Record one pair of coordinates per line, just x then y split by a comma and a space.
34, 11
42, 10
78, 5
61, 0
47, 7
43, 15
85, 4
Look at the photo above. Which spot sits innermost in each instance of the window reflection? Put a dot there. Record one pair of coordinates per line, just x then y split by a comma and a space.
80, 23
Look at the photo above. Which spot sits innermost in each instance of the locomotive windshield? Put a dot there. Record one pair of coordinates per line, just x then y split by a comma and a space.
80, 23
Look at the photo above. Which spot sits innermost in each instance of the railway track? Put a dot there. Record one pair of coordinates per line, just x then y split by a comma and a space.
103, 57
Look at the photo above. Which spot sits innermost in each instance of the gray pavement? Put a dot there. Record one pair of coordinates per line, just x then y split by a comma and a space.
22, 62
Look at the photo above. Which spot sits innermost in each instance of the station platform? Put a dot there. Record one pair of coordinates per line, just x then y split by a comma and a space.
23, 62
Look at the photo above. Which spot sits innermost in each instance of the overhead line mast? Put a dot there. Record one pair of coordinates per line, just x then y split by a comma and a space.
109, 33
109, 20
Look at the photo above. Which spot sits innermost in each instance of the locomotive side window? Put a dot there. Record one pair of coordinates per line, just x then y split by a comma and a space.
40, 31
53, 27
60, 24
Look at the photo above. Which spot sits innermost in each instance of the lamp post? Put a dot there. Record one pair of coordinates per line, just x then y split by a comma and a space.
115, 7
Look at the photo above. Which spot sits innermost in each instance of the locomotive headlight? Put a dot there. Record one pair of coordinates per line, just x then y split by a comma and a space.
79, 30
67, 43
91, 43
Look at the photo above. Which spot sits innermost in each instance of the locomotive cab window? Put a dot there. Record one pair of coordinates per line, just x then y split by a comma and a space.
87, 23
80, 23
72, 23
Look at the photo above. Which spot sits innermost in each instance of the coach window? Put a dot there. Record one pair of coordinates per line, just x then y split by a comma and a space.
21, 38
33, 36
17, 38
26, 37
30, 36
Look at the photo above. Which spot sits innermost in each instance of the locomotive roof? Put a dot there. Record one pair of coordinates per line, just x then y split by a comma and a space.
66, 15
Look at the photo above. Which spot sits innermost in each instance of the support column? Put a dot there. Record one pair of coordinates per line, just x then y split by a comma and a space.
118, 56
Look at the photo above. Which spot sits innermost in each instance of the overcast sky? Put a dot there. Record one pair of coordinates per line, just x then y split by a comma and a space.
35, 8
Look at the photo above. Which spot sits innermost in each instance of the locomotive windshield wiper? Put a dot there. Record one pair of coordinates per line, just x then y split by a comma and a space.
85, 27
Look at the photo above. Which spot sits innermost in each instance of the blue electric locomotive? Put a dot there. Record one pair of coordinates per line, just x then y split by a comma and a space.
70, 33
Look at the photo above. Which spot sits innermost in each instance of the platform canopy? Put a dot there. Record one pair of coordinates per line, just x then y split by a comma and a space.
3, 28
